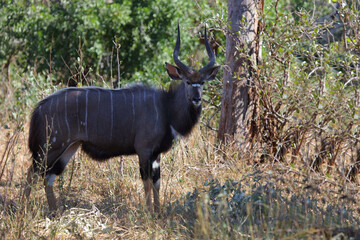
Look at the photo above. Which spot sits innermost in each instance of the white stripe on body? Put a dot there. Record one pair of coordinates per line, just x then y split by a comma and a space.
77, 113
133, 104
124, 97
86, 113
98, 108
66, 116
156, 110
133, 111
51, 103
112, 115
51, 114
57, 114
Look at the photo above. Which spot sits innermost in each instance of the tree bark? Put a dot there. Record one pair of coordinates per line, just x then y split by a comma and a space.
243, 55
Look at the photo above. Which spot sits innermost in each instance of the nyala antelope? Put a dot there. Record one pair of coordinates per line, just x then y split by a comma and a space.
111, 122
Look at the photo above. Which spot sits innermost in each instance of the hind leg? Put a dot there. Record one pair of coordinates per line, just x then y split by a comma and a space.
37, 168
49, 191
56, 169
32, 179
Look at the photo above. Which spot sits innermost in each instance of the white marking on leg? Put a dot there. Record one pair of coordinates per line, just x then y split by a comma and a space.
86, 113
112, 115
66, 116
155, 165
50, 179
54, 139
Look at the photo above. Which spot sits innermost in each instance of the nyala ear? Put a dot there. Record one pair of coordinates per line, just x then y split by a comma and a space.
212, 72
174, 72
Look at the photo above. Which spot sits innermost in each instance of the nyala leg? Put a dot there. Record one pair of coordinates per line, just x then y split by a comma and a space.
156, 183
31, 180
147, 188
50, 195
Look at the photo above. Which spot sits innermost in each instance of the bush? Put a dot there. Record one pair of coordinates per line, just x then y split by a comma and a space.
78, 40
308, 96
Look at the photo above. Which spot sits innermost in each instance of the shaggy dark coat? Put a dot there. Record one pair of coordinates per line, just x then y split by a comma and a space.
108, 123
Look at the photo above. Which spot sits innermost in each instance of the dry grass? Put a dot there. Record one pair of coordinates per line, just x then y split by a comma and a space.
207, 192
105, 200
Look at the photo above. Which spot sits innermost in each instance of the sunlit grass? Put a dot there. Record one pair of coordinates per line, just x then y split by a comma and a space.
202, 196
208, 191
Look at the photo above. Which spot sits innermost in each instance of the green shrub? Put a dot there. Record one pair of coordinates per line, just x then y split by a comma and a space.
78, 40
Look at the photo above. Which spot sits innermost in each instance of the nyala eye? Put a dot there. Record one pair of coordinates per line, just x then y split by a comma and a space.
188, 82
202, 83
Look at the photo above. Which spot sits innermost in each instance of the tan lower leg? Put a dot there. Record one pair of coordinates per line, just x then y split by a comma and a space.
50, 195
32, 178
51, 198
148, 187
156, 190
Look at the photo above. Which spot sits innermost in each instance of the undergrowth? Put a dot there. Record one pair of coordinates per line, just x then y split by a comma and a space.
202, 197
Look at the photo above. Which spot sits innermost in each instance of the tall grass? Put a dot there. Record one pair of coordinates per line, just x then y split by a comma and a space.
207, 191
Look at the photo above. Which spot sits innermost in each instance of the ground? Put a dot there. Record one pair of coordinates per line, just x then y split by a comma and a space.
207, 192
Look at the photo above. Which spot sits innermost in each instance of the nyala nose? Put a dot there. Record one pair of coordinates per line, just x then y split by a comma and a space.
196, 99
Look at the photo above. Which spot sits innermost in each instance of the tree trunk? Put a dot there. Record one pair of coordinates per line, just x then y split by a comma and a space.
243, 55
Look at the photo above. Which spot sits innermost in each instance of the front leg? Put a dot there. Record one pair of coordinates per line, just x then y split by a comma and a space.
147, 187
156, 183
150, 175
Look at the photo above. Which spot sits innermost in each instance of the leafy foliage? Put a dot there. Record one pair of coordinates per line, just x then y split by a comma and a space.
309, 102
72, 39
